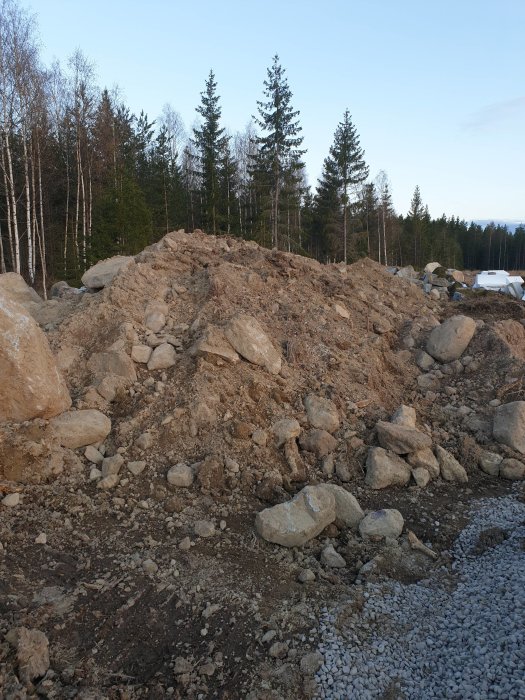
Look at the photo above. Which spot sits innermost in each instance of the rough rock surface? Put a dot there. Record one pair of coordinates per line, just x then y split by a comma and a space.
213, 344
320, 442
424, 459
401, 439
405, 415
509, 425
382, 523
32, 652
248, 338
322, 413
104, 272
348, 512
30, 384
451, 469
449, 341
385, 468
80, 428
294, 523
512, 469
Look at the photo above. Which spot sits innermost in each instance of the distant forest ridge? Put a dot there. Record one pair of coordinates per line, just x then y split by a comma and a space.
83, 178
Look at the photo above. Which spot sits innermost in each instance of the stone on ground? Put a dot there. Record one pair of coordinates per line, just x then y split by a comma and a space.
405, 415
295, 522
162, 357
115, 363
400, 439
180, 475
424, 459
30, 384
330, 558
320, 442
490, 462
105, 271
449, 341
509, 425
348, 512
213, 345
421, 476
80, 428
141, 353
451, 469
286, 429
322, 413
382, 523
247, 337
385, 468
512, 469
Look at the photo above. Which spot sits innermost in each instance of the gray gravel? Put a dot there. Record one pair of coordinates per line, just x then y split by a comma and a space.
459, 637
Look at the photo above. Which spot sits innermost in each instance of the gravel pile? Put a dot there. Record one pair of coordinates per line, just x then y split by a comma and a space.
459, 637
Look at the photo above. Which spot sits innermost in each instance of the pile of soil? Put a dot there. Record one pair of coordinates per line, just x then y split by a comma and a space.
134, 602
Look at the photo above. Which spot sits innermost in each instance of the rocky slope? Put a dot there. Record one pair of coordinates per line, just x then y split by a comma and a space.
212, 381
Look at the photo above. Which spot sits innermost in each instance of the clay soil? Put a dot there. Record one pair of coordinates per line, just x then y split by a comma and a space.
195, 628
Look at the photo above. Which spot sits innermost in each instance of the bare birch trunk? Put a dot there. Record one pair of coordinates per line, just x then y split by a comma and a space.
16, 239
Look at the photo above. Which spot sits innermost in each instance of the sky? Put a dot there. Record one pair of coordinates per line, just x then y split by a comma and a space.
435, 88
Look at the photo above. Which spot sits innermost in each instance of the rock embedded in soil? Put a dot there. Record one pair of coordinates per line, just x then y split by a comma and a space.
80, 428
382, 523
246, 335
448, 341
320, 442
180, 475
421, 476
509, 425
93, 455
330, 558
385, 468
141, 353
213, 344
11, 500
104, 272
424, 459
31, 385
405, 415
286, 429
295, 522
490, 462
163, 357
137, 467
112, 465
451, 469
512, 469
311, 663
400, 439
322, 413
204, 528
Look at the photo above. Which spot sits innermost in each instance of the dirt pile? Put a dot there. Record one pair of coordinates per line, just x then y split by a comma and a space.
233, 377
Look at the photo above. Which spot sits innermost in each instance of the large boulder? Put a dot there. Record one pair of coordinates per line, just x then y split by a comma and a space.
384, 468
509, 425
448, 341
424, 459
212, 345
80, 428
16, 288
295, 522
401, 439
30, 384
512, 469
322, 413
246, 335
104, 272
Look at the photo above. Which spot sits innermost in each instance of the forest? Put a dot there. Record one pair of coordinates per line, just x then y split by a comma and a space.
83, 178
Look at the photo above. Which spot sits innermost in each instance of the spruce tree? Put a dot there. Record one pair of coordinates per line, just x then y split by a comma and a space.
210, 142
278, 158
346, 167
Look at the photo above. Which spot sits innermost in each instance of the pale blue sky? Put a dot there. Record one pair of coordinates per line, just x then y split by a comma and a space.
436, 88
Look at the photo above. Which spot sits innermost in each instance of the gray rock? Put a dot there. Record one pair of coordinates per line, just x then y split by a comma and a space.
93, 455
112, 465
162, 357
144, 441
330, 558
155, 321
149, 566
180, 475
108, 482
115, 363
348, 512
136, 468
512, 469
248, 338
295, 522
105, 271
449, 341
424, 459
384, 468
400, 439
451, 469
306, 576
320, 442
11, 500
260, 437
490, 462
141, 353
182, 666
421, 476
509, 425
322, 413
204, 528
286, 429
407, 272
382, 523
80, 428
405, 415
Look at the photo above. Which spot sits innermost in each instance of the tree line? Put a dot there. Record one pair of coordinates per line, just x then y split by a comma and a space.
83, 178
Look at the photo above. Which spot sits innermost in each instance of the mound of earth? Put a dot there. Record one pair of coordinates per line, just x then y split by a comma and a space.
233, 377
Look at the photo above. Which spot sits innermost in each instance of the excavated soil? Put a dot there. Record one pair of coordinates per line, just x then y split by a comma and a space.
197, 626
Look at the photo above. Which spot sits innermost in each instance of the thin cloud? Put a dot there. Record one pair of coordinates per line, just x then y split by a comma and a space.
496, 113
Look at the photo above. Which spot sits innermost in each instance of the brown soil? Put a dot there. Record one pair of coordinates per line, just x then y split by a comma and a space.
115, 631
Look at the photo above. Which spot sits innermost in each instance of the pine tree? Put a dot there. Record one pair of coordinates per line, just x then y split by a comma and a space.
278, 158
210, 142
